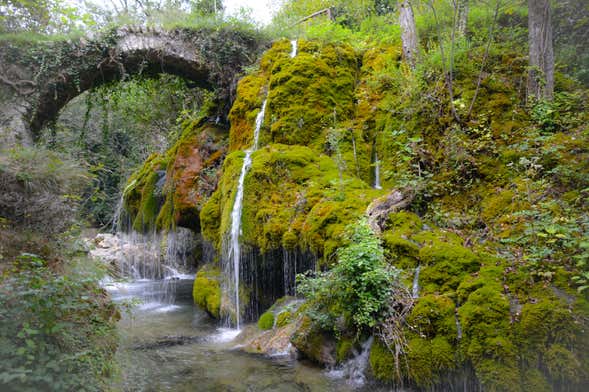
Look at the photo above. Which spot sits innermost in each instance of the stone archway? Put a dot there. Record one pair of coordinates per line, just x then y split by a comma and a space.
37, 79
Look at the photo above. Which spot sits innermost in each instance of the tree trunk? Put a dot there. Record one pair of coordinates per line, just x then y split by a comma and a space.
541, 73
462, 17
408, 32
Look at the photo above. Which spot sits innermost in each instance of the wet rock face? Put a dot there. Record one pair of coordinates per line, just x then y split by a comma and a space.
146, 256
274, 339
313, 343
190, 168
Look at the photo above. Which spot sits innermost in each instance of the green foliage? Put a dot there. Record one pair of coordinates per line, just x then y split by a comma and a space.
40, 198
266, 321
358, 287
283, 318
43, 16
57, 333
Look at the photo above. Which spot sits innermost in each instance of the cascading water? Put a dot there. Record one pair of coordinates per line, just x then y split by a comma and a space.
154, 268
415, 291
458, 327
294, 262
376, 172
293, 52
353, 370
231, 262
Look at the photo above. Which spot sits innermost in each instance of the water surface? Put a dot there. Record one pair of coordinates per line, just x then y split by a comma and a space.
172, 345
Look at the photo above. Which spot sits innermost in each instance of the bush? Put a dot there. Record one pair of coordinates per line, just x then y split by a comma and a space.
39, 190
57, 333
359, 286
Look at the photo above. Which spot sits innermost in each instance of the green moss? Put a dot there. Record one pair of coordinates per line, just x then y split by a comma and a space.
547, 321
383, 363
432, 315
343, 349
397, 238
304, 93
498, 377
429, 361
497, 204
266, 321
293, 198
206, 291
283, 318
148, 206
563, 366
446, 264
534, 380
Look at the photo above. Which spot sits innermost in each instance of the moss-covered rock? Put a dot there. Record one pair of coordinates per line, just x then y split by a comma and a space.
293, 196
206, 291
283, 318
266, 321
495, 227
314, 343
383, 363
170, 189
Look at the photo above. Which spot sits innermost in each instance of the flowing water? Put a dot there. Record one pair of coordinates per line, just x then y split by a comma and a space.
293, 44
231, 262
415, 289
353, 371
177, 347
376, 172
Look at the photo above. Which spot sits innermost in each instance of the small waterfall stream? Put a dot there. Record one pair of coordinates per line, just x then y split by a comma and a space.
293, 52
231, 262
353, 370
376, 172
415, 291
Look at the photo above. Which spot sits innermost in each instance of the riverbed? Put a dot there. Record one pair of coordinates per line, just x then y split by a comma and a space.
168, 344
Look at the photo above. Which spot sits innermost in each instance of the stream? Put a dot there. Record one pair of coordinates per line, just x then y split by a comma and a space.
171, 345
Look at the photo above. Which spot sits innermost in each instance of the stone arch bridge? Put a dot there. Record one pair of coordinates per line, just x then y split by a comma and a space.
38, 78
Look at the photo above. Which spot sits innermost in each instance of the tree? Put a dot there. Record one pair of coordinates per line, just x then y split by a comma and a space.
408, 32
207, 7
383, 7
541, 72
462, 6
25, 15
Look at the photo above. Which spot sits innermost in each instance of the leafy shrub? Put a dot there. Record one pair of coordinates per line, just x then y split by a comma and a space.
359, 287
56, 332
39, 189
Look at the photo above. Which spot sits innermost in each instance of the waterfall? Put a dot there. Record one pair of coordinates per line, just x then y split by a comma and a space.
293, 52
376, 172
295, 261
415, 291
231, 266
154, 264
353, 369
458, 326
116, 217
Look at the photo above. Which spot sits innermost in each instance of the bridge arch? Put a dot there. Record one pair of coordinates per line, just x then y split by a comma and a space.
35, 84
